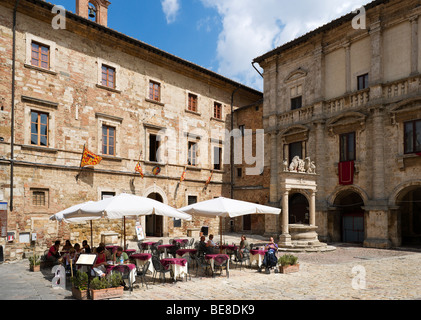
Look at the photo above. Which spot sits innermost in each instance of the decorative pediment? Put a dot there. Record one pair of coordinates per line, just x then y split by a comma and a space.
296, 75
406, 110
347, 122
294, 134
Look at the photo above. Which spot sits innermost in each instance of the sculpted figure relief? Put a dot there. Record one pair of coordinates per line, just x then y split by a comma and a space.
299, 165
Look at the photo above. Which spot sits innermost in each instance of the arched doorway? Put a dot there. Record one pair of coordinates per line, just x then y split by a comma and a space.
298, 209
409, 202
349, 217
154, 223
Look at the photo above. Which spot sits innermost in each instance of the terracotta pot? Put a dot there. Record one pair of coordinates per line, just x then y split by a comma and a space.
80, 294
108, 293
35, 268
289, 268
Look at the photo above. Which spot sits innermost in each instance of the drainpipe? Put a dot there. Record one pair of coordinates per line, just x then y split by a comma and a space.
232, 141
256, 69
12, 137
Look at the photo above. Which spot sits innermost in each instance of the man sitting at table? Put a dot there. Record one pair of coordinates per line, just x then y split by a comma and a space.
118, 254
53, 253
202, 248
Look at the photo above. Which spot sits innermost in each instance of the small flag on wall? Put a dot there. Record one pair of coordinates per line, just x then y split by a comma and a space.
183, 175
89, 158
156, 170
139, 169
210, 178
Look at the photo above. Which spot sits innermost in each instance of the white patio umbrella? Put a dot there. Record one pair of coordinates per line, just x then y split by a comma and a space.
73, 214
225, 207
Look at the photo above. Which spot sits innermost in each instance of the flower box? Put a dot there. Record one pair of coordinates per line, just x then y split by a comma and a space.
35, 268
289, 268
79, 294
109, 293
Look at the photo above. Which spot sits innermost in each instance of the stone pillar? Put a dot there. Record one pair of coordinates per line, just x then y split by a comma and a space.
376, 70
313, 208
414, 45
378, 155
285, 237
347, 47
377, 231
274, 167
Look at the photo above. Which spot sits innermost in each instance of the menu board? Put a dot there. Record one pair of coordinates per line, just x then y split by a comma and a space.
3, 219
86, 260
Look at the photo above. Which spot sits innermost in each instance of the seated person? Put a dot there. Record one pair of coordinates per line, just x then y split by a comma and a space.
202, 245
85, 247
67, 246
270, 259
108, 253
77, 248
271, 246
244, 246
72, 255
100, 263
118, 254
210, 245
54, 253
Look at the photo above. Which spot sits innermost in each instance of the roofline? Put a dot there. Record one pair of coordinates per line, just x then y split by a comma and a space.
331, 25
143, 45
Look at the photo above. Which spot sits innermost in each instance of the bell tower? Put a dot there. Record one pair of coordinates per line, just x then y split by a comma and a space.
95, 10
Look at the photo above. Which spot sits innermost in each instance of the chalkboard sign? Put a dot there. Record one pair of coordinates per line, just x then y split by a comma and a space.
3, 219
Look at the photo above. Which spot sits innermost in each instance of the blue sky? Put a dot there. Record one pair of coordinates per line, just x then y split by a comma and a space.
221, 35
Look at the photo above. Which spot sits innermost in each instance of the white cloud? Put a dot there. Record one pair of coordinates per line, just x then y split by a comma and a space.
251, 28
170, 8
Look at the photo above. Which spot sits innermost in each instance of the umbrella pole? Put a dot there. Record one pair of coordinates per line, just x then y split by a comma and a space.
92, 241
124, 224
220, 234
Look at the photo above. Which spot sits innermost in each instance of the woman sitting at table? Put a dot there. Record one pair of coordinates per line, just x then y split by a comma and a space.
72, 255
67, 246
211, 244
77, 248
101, 262
54, 253
85, 247
244, 246
118, 254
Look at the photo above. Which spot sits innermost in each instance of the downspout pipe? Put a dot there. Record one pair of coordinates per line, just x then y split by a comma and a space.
256, 68
12, 131
232, 142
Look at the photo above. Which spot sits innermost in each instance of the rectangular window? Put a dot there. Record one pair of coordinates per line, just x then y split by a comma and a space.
40, 55
192, 158
39, 129
191, 200
412, 136
153, 148
107, 194
154, 91
38, 198
192, 102
239, 172
296, 103
108, 140
362, 81
217, 158
347, 147
108, 76
217, 110
295, 149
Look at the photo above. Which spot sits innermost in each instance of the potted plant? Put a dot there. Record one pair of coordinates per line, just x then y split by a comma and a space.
80, 286
35, 262
107, 287
288, 263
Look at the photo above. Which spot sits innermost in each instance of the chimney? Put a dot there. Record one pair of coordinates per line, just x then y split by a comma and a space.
94, 10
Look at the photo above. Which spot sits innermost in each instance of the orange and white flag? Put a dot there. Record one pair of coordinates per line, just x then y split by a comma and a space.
139, 169
89, 158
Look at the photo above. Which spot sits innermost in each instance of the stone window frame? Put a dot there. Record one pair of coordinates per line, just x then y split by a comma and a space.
294, 134
50, 111
30, 38
117, 76
160, 132
150, 80
110, 121
198, 102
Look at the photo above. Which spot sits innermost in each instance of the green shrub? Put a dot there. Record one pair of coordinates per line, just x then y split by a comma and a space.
80, 281
34, 260
288, 259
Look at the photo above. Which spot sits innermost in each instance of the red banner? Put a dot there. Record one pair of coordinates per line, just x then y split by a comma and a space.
89, 158
346, 173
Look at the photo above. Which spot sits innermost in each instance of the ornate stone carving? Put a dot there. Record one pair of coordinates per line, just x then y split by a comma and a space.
299, 165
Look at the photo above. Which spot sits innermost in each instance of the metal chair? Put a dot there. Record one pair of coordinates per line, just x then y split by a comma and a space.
159, 268
170, 241
139, 245
159, 242
221, 262
125, 272
142, 273
241, 257
202, 263
173, 250
155, 252
190, 244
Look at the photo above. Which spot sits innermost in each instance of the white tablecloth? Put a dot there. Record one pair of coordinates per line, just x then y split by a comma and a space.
258, 258
141, 263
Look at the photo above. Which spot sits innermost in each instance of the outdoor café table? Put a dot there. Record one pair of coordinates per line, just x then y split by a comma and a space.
185, 253
165, 248
179, 266
131, 266
130, 252
211, 259
141, 259
257, 256
181, 241
231, 247
146, 245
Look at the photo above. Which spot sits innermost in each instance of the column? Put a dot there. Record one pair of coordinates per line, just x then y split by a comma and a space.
376, 70
285, 237
414, 45
347, 47
274, 167
378, 155
313, 208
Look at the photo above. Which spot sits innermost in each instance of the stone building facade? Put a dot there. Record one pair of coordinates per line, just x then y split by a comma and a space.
348, 97
90, 86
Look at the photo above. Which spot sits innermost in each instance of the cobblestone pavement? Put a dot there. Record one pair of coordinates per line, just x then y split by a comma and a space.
335, 275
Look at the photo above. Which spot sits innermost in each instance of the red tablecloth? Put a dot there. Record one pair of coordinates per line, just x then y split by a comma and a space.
181, 240
146, 244
130, 252
167, 262
230, 247
111, 267
165, 246
141, 256
181, 252
213, 256
261, 252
